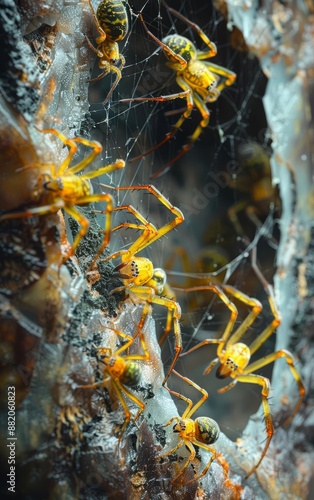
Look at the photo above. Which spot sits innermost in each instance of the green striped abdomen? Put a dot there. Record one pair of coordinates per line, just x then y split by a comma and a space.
181, 46
113, 19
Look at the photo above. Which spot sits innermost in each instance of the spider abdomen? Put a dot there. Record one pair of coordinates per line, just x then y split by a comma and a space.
181, 46
158, 280
132, 374
206, 430
113, 19
127, 372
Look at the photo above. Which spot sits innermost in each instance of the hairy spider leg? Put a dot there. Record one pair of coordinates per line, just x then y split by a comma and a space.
201, 106
190, 430
248, 376
150, 232
223, 297
191, 408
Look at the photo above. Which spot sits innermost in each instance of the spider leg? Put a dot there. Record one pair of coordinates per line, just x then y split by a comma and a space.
191, 449
187, 94
142, 357
212, 458
270, 358
201, 344
68, 142
120, 389
256, 310
91, 46
173, 450
125, 346
230, 325
150, 234
228, 387
147, 228
97, 149
107, 169
107, 69
261, 339
103, 35
182, 63
226, 76
233, 216
191, 409
149, 231
180, 396
84, 223
173, 419
46, 209
173, 317
116, 70
162, 98
93, 386
141, 323
264, 382
201, 106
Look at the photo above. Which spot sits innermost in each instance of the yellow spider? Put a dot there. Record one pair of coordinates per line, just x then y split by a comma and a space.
138, 273
201, 432
254, 184
201, 82
123, 371
234, 356
60, 187
111, 22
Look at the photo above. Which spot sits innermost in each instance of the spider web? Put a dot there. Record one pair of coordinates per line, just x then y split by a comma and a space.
130, 129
